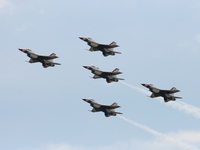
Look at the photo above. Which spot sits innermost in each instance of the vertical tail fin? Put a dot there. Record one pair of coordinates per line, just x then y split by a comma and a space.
172, 94
114, 104
113, 43
173, 89
53, 54
116, 70
114, 76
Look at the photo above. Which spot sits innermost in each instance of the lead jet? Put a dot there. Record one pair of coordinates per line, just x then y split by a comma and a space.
106, 49
168, 95
109, 76
108, 110
45, 60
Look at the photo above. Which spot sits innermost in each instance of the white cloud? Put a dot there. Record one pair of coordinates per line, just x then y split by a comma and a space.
134, 144
23, 28
197, 38
42, 11
59, 147
187, 136
153, 144
5, 6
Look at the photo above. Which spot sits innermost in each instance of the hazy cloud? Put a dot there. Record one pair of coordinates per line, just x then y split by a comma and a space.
197, 38
187, 136
5, 5
23, 28
153, 144
134, 144
42, 11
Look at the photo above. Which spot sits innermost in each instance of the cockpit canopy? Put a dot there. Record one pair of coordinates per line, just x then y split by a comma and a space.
90, 39
94, 67
27, 49
150, 85
92, 100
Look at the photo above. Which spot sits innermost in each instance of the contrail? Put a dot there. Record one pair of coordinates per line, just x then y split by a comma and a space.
137, 88
160, 135
185, 107
196, 108
181, 106
193, 109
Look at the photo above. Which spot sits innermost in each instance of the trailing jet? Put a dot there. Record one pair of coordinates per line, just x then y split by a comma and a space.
109, 76
108, 110
45, 60
168, 95
106, 49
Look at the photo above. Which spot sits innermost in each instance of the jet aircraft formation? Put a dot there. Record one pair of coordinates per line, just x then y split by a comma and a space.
106, 49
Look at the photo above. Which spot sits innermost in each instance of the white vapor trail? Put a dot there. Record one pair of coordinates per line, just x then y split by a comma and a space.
181, 106
137, 88
161, 136
193, 109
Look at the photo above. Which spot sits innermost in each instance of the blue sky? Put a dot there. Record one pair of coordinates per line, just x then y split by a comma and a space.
42, 109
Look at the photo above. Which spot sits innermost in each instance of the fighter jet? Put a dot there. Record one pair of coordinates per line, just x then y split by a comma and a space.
106, 49
168, 95
108, 110
45, 60
109, 76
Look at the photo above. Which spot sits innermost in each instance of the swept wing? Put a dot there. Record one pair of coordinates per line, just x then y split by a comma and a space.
52, 56
111, 73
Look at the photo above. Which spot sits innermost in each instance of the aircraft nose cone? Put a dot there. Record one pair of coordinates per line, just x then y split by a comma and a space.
84, 99
85, 67
143, 84
81, 38
20, 49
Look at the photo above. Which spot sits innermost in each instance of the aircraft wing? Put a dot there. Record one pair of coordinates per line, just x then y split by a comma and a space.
43, 57
109, 107
111, 73
52, 56
169, 91
108, 46
47, 57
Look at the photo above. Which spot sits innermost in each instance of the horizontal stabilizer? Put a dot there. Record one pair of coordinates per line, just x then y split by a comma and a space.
120, 79
118, 113
178, 97
56, 63
116, 52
